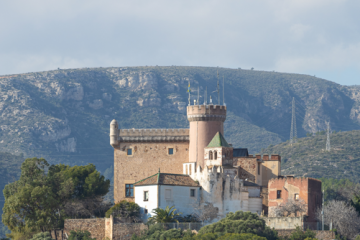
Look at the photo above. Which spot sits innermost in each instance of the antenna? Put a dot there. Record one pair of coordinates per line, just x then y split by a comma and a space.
198, 99
224, 90
205, 97
328, 136
189, 93
293, 131
218, 87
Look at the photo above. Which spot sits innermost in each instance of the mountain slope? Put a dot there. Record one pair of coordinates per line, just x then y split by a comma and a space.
308, 157
64, 115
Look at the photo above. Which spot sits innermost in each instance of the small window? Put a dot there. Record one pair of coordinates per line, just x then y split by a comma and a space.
278, 194
129, 151
215, 155
129, 190
296, 197
210, 155
145, 211
192, 192
170, 151
146, 196
167, 193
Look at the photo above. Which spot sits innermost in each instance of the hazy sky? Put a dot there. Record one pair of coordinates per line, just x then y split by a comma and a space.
316, 37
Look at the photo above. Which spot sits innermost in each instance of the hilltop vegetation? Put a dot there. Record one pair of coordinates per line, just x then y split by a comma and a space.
308, 157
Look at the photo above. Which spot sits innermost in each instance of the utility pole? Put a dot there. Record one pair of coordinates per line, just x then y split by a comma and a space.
328, 136
293, 131
218, 87
322, 212
224, 91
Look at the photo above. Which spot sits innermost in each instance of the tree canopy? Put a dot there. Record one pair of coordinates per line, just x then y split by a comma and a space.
46, 194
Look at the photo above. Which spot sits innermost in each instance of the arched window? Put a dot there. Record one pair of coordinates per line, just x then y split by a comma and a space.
210, 155
215, 155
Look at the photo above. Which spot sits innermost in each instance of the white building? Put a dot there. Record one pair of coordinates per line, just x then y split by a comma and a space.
165, 189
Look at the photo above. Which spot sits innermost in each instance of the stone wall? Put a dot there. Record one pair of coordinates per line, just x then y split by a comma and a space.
124, 231
96, 226
284, 222
248, 168
321, 235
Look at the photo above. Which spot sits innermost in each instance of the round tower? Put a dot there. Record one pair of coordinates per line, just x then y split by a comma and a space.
205, 122
114, 133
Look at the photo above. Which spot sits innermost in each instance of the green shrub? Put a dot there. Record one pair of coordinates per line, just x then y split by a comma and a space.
42, 236
124, 209
80, 235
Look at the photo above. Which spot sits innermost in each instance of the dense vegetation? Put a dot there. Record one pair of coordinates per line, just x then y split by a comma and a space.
307, 157
45, 195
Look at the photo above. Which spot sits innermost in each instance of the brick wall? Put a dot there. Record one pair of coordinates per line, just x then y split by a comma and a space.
248, 168
146, 160
96, 226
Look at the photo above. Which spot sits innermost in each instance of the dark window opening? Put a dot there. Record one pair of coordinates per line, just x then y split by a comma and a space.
129, 151
296, 197
145, 211
278, 194
129, 190
259, 166
192, 192
146, 196
171, 151
210, 155
215, 155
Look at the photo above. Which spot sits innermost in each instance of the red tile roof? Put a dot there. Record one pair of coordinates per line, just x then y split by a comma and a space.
168, 179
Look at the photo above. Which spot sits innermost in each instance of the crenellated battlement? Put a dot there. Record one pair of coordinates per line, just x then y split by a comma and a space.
153, 132
206, 113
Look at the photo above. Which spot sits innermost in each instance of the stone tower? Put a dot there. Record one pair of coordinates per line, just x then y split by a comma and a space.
205, 122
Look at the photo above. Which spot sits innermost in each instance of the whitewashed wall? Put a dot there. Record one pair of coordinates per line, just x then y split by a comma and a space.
149, 205
180, 198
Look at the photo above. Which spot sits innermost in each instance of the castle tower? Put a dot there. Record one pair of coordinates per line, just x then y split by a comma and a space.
205, 122
114, 133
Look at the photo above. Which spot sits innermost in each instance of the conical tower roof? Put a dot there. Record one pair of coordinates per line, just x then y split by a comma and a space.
218, 141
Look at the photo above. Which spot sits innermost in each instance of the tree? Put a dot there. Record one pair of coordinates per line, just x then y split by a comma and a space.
80, 235
299, 234
344, 218
164, 215
290, 208
42, 236
241, 222
157, 231
125, 209
40, 199
205, 212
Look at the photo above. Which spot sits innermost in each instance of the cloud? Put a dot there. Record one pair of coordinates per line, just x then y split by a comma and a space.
302, 36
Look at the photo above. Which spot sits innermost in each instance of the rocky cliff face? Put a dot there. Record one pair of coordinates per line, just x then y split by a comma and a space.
64, 115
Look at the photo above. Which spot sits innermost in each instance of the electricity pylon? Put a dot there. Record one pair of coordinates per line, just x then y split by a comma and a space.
328, 136
293, 131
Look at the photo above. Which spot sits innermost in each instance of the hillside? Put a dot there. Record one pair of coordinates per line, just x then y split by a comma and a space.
64, 115
308, 157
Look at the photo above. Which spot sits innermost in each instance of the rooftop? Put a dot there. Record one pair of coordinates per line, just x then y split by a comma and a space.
218, 141
168, 179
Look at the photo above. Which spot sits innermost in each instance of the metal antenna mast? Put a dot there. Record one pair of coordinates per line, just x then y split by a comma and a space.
223, 90
218, 87
205, 97
198, 103
328, 136
293, 131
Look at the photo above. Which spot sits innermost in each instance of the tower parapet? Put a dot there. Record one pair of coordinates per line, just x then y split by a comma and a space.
205, 122
114, 133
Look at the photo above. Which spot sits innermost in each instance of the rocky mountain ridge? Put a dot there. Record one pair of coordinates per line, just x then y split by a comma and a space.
64, 115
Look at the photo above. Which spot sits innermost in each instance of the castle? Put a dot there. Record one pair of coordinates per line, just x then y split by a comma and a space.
192, 169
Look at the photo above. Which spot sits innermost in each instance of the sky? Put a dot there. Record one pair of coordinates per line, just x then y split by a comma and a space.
320, 37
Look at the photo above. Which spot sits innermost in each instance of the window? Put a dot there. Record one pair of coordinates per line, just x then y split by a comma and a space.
129, 151
210, 155
215, 155
145, 211
170, 151
167, 193
129, 190
296, 197
278, 194
192, 192
259, 166
146, 196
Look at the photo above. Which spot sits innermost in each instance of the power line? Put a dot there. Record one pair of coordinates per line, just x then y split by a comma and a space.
293, 131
